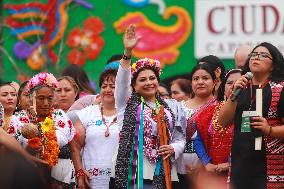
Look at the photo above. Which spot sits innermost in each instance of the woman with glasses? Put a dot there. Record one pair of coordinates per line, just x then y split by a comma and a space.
164, 91
252, 168
213, 142
45, 132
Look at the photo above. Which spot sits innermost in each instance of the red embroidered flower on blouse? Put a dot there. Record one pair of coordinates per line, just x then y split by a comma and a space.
11, 130
86, 43
24, 120
61, 124
70, 123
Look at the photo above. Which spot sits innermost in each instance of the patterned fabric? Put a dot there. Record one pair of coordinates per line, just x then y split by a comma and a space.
64, 130
126, 142
275, 147
63, 127
217, 140
98, 150
191, 128
189, 147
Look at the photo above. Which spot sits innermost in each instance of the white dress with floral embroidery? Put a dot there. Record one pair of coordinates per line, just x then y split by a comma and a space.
65, 132
98, 150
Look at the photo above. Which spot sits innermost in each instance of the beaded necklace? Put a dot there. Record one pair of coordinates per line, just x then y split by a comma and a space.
155, 111
107, 133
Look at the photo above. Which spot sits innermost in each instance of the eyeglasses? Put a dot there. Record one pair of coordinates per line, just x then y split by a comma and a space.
261, 55
164, 95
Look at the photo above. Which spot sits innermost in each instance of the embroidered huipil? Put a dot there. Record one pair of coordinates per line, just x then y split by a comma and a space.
123, 93
188, 157
63, 171
98, 151
63, 127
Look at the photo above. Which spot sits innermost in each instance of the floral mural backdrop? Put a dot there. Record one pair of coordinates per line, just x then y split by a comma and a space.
49, 34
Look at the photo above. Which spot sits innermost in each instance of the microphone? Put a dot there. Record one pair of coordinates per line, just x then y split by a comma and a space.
237, 91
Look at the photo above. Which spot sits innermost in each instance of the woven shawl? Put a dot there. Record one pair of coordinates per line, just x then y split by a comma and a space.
126, 142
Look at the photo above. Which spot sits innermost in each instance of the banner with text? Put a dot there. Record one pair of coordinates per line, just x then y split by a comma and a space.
221, 26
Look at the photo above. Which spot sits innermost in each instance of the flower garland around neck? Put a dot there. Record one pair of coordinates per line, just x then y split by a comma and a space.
50, 150
155, 111
150, 143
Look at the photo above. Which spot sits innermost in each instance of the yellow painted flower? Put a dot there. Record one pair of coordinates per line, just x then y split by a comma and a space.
47, 125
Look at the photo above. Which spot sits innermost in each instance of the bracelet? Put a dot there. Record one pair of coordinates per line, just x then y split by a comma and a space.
80, 173
124, 57
270, 131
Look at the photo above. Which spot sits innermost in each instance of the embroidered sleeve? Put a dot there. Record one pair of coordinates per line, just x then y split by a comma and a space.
65, 130
15, 126
122, 89
178, 140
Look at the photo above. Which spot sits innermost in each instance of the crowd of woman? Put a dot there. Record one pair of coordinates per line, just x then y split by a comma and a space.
140, 133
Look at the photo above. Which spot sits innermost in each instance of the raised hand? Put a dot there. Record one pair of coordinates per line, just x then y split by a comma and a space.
130, 38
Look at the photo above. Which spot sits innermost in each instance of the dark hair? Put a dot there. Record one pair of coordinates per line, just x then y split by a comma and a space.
22, 87
184, 85
115, 57
134, 76
205, 67
72, 83
80, 77
6, 83
107, 75
214, 62
166, 87
221, 90
20, 91
277, 73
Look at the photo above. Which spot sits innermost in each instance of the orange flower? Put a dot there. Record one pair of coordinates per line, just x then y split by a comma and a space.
35, 143
86, 43
51, 148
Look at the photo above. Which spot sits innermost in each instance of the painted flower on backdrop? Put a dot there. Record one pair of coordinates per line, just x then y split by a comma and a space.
85, 43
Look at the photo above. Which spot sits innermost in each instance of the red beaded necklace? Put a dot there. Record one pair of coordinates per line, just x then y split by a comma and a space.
107, 133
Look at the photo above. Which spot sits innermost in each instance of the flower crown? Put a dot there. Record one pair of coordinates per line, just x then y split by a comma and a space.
146, 63
43, 78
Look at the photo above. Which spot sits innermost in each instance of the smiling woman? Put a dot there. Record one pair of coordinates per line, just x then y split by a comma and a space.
152, 130
97, 137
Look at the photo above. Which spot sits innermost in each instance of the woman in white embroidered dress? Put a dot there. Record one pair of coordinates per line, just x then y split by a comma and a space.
53, 129
141, 115
98, 136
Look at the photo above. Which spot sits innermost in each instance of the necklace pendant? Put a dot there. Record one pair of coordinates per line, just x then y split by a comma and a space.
107, 133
